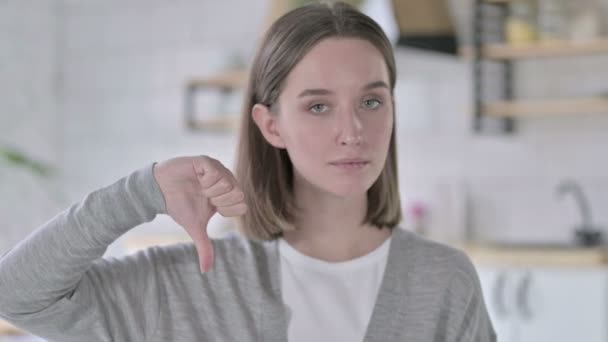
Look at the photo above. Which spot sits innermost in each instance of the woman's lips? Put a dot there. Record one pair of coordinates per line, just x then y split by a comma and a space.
350, 164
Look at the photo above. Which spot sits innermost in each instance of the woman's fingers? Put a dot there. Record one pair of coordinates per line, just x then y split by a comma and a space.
192, 205
214, 178
208, 176
231, 198
229, 204
233, 210
221, 187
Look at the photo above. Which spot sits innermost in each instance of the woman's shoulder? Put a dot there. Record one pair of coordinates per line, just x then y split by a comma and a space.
436, 259
235, 249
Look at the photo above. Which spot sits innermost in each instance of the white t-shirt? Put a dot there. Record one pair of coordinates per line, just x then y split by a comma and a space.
329, 301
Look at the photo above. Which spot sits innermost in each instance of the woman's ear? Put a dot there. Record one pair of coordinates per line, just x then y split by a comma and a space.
267, 123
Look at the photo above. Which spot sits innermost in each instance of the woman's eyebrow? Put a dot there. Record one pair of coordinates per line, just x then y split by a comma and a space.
319, 91
376, 84
314, 92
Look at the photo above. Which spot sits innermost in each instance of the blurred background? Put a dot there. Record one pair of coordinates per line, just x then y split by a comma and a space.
502, 124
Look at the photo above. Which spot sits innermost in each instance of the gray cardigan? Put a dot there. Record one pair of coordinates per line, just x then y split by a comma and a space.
56, 285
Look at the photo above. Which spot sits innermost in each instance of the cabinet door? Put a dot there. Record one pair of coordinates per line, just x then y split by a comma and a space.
497, 285
562, 305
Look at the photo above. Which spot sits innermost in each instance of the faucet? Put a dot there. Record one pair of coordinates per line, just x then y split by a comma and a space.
586, 233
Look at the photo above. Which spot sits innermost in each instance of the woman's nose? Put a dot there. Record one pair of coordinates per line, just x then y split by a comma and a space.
352, 140
350, 129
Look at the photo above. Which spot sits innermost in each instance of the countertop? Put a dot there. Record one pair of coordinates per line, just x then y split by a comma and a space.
538, 254
535, 255
550, 255
7, 329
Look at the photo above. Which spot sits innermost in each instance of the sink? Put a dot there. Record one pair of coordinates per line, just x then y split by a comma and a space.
584, 239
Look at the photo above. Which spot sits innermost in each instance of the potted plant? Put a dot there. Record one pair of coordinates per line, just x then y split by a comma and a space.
15, 157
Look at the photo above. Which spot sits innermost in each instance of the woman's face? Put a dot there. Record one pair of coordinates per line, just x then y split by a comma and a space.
335, 116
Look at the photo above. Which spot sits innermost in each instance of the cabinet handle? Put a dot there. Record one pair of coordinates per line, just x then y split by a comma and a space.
498, 294
523, 296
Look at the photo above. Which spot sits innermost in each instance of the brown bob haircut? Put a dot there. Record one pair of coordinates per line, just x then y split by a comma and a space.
265, 172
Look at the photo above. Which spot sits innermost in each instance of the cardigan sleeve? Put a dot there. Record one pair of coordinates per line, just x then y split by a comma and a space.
54, 283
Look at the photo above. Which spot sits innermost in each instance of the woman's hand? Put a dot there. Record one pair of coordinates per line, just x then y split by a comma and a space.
195, 188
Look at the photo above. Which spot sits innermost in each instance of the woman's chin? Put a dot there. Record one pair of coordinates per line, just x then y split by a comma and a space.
349, 190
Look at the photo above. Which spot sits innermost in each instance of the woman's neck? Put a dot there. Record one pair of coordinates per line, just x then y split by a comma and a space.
330, 228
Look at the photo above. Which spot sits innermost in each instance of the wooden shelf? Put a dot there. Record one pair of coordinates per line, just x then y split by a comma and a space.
229, 79
7, 329
538, 50
228, 122
227, 82
543, 50
546, 107
506, 54
542, 257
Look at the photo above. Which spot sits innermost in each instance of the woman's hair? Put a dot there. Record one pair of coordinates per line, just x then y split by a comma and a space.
265, 172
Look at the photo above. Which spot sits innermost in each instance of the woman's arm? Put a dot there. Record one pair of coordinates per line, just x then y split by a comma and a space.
48, 282
54, 283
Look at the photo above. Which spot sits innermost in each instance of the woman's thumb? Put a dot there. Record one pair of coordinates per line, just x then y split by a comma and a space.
204, 248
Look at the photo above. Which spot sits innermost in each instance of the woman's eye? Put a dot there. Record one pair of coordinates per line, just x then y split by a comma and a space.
318, 108
371, 104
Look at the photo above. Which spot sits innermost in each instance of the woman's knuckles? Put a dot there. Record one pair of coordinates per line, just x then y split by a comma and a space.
210, 179
233, 210
231, 198
220, 188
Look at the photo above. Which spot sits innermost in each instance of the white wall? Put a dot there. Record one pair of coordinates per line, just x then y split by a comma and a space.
511, 178
28, 115
124, 65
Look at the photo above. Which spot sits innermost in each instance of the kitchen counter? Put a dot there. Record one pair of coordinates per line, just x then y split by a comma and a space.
7, 329
481, 253
535, 255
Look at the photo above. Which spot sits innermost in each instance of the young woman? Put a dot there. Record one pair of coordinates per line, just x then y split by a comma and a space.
320, 257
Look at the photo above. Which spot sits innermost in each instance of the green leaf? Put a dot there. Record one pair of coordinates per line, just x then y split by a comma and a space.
17, 158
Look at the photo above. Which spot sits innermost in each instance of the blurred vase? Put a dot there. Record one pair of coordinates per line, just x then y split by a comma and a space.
521, 26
